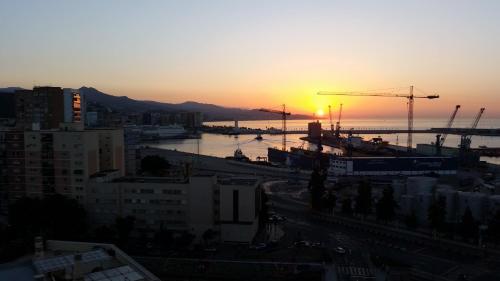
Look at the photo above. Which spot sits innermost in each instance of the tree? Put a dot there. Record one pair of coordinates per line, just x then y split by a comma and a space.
124, 227
437, 214
317, 188
347, 206
364, 199
386, 206
329, 201
469, 226
208, 235
154, 165
411, 220
494, 228
105, 234
53, 217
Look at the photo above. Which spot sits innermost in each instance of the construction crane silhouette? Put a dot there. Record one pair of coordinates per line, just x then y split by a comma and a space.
283, 114
337, 129
331, 119
410, 97
441, 138
465, 140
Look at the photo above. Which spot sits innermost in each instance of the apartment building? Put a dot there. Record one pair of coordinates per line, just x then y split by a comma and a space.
230, 206
43, 162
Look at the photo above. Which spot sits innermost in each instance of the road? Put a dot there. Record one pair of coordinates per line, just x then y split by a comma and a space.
360, 245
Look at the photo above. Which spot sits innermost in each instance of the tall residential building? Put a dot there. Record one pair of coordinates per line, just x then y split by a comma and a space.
38, 163
40, 108
44, 108
74, 106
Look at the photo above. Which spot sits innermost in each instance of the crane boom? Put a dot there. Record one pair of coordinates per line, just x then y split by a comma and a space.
410, 98
449, 124
465, 140
283, 114
478, 117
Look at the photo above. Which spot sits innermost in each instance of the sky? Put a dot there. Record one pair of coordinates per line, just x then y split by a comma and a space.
261, 53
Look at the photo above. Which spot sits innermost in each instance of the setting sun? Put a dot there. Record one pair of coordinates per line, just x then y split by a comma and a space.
320, 113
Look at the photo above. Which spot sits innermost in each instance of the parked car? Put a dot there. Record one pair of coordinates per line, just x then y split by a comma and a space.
258, 246
302, 243
339, 250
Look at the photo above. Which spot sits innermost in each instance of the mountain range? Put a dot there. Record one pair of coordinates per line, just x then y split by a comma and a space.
125, 104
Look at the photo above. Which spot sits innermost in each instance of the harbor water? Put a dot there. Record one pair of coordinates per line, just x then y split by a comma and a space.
225, 145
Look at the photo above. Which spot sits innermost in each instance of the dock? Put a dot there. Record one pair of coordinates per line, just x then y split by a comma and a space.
228, 130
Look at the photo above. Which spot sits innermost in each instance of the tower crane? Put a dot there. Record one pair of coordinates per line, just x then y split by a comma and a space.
331, 119
441, 138
283, 114
410, 97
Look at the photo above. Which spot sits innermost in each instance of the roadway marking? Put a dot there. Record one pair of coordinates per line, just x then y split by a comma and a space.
419, 250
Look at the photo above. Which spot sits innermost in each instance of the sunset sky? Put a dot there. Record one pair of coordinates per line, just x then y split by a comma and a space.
260, 53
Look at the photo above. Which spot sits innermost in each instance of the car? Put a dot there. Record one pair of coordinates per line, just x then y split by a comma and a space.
339, 250
258, 246
302, 243
318, 245
281, 218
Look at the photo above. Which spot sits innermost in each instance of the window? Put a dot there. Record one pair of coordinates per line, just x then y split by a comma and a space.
78, 172
236, 205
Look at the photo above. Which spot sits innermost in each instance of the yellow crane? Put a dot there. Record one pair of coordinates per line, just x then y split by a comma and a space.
410, 97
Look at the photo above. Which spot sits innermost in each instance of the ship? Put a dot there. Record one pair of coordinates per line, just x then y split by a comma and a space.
298, 157
163, 132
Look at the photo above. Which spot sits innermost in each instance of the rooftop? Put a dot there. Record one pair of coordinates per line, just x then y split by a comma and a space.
68, 260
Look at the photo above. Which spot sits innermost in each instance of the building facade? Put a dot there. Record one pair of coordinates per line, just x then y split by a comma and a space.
379, 166
228, 206
39, 163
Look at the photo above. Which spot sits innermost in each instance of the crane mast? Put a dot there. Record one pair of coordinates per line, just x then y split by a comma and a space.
337, 129
330, 115
410, 98
283, 114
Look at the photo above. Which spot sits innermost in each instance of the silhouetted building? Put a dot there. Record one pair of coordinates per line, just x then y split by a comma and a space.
314, 130
44, 108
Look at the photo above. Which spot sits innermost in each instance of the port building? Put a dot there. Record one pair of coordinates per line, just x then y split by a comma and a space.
381, 166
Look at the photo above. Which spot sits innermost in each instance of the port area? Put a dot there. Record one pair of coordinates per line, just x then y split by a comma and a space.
232, 130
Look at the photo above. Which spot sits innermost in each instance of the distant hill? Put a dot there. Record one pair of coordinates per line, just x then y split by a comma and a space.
125, 104
210, 111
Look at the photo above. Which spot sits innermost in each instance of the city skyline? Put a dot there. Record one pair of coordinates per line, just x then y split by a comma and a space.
250, 55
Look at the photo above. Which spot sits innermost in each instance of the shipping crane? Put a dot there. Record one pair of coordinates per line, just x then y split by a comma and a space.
411, 97
331, 119
283, 114
337, 129
465, 140
440, 139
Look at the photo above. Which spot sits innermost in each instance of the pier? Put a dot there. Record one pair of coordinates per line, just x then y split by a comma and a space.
228, 130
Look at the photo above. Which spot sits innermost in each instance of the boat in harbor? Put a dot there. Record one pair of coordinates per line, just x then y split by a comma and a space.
259, 137
238, 156
163, 132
